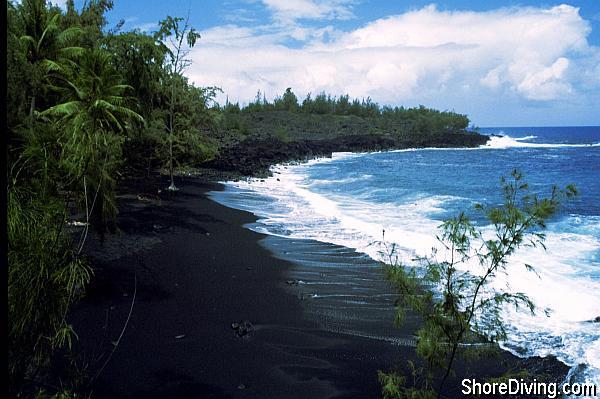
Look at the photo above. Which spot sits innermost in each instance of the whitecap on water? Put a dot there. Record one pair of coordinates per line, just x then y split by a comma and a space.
504, 142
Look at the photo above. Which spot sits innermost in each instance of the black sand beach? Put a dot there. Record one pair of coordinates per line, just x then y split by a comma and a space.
184, 269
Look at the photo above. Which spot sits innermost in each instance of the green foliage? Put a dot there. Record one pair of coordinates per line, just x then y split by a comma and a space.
468, 309
342, 107
289, 101
94, 118
91, 20
260, 103
47, 47
19, 70
322, 104
395, 386
231, 108
391, 384
192, 118
70, 113
315, 115
182, 37
139, 59
64, 394
45, 276
281, 134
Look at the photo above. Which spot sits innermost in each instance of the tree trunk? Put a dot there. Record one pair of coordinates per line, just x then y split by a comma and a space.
171, 132
172, 186
32, 106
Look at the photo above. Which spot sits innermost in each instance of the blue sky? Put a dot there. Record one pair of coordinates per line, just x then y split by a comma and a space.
504, 63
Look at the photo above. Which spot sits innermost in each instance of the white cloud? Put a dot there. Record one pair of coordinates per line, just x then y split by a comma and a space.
546, 83
290, 10
532, 53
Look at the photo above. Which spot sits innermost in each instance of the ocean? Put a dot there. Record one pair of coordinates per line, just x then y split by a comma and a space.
350, 199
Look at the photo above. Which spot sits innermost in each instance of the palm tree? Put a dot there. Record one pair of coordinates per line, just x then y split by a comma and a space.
93, 119
47, 47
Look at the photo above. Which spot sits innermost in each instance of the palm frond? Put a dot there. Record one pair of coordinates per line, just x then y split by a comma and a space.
64, 109
51, 66
69, 34
71, 52
28, 40
50, 26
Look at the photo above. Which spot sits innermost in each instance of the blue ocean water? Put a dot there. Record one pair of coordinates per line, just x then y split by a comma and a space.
350, 199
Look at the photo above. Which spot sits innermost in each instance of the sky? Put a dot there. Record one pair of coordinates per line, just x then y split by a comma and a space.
503, 63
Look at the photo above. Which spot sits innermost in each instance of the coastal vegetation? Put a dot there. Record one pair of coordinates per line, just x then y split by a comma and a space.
455, 294
262, 133
89, 105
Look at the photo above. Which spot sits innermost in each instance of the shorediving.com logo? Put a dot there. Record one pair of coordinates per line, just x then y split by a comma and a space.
515, 386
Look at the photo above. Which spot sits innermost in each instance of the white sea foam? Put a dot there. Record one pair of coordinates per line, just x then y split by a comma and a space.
315, 182
503, 142
525, 138
500, 142
572, 299
562, 284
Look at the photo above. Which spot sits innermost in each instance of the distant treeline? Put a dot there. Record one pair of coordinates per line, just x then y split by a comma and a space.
420, 119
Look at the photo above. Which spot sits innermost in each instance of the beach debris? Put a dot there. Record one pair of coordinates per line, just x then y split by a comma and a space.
248, 268
292, 282
241, 386
158, 227
77, 223
143, 197
180, 336
242, 328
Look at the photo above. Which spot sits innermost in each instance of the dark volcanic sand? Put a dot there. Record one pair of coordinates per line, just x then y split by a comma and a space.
198, 270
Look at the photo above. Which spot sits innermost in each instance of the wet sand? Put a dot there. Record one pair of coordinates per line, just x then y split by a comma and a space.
183, 269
